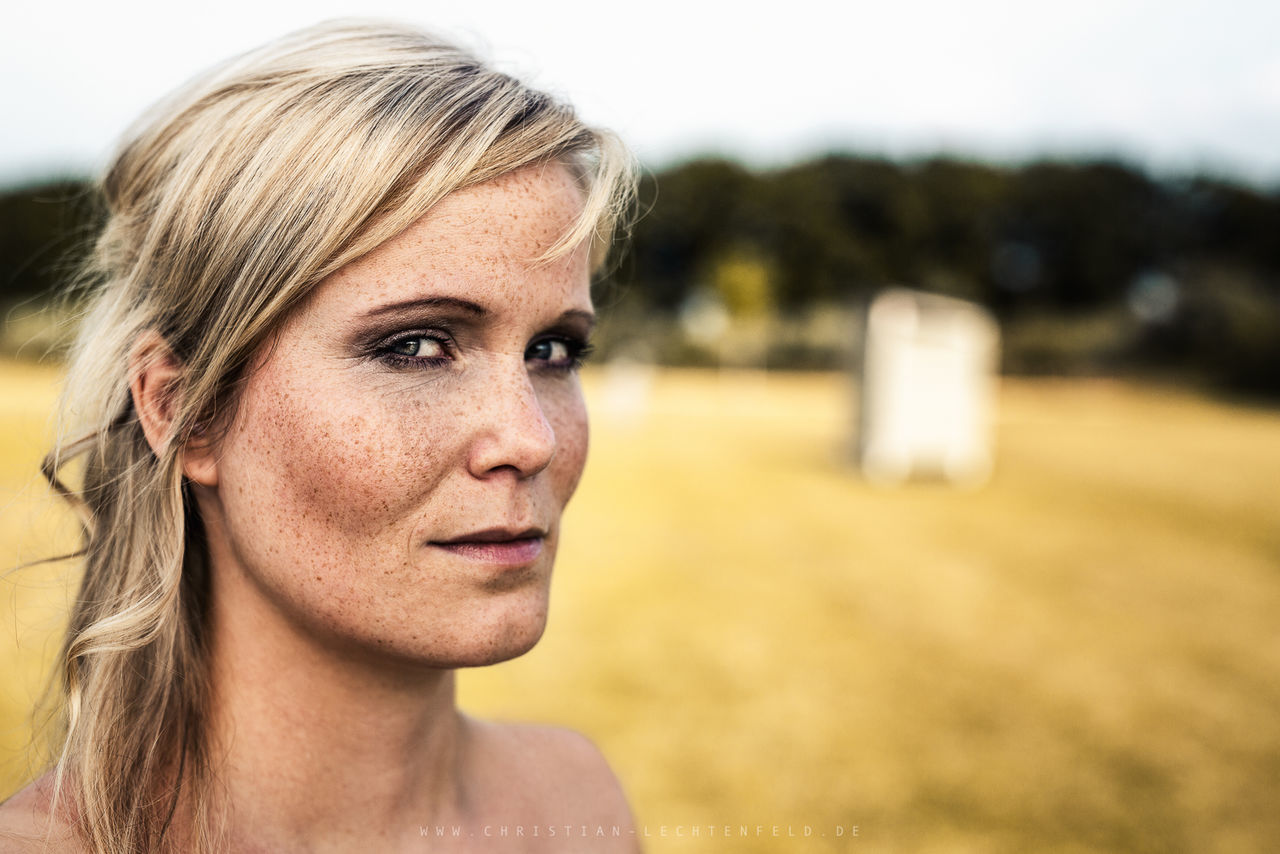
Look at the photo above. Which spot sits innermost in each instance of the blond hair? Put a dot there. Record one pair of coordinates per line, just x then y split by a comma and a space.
227, 205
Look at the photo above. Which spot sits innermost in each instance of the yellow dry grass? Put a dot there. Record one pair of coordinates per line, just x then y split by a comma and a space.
1080, 656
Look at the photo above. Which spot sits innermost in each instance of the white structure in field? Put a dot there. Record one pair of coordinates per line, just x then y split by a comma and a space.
928, 388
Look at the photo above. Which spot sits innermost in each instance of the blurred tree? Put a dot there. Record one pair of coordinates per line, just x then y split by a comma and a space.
44, 229
696, 212
836, 228
1236, 225
964, 201
1094, 227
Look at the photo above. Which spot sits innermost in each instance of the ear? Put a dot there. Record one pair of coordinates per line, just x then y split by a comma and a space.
155, 381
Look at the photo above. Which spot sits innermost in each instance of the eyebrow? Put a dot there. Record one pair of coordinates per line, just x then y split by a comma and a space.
586, 317
429, 302
467, 306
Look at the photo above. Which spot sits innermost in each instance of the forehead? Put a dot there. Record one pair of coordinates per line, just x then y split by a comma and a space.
480, 236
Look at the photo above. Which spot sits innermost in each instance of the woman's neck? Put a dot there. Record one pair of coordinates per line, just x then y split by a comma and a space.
315, 747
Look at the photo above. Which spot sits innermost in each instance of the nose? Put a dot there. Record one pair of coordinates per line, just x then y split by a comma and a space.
513, 434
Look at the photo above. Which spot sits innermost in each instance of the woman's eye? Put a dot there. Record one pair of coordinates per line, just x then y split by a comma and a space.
549, 351
416, 347
558, 352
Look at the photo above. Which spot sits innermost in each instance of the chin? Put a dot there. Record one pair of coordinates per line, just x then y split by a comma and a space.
498, 631
505, 650
510, 641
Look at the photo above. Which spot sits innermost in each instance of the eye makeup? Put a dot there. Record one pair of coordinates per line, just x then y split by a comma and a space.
422, 342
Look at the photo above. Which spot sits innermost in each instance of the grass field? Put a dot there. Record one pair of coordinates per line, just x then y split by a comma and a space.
1081, 656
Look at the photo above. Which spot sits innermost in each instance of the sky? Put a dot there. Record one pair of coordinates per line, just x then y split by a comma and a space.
1174, 86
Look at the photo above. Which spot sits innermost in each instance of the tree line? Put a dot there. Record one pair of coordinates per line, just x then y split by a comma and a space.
1185, 273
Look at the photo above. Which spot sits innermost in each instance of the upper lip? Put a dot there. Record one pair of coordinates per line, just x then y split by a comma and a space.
495, 535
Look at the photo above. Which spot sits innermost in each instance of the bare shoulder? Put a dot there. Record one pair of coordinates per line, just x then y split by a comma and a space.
25, 824
566, 761
559, 777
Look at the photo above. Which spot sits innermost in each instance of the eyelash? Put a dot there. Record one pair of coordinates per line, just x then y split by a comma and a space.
577, 351
386, 351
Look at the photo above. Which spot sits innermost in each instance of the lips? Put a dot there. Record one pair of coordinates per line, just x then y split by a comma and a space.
502, 546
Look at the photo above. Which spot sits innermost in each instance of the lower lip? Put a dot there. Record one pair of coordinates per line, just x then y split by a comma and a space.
507, 553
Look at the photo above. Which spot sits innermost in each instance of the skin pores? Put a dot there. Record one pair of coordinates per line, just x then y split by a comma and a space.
393, 479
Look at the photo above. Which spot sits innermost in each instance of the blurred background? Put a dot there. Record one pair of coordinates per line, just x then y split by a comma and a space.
1072, 647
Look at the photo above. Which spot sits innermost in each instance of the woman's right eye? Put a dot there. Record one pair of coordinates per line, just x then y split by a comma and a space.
416, 350
417, 346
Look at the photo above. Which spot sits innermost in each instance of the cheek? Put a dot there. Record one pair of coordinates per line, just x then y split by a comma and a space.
319, 480
569, 420
322, 479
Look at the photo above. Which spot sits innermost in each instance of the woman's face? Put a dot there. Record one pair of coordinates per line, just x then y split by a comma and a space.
402, 452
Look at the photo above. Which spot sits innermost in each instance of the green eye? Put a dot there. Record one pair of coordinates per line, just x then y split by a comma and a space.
417, 345
407, 348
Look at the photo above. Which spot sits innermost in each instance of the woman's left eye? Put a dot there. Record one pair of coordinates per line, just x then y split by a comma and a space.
559, 353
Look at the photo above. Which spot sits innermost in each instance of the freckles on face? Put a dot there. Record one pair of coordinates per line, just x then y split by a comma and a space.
402, 452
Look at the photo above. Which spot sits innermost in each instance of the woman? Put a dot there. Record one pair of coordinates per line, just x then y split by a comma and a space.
328, 411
